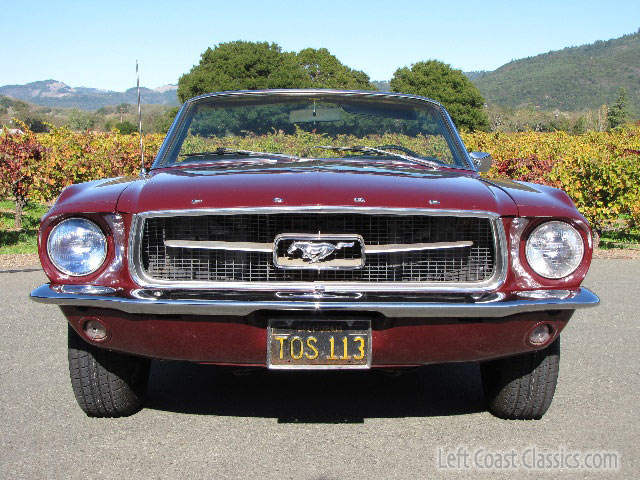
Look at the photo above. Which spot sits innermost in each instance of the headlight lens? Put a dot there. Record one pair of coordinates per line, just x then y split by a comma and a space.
77, 246
554, 249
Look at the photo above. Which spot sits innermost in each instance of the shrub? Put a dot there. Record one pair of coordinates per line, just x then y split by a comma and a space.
20, 156
599, 170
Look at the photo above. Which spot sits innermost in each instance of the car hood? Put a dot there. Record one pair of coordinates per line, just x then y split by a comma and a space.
276, 183
95, 196
535, 200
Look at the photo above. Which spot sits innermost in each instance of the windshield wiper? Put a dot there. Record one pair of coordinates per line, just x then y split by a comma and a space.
381, 151
231, 151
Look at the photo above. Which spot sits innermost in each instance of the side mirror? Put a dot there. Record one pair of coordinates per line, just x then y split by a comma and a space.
482, 160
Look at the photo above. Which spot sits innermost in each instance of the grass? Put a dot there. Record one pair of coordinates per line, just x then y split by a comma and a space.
626, 238
24, 240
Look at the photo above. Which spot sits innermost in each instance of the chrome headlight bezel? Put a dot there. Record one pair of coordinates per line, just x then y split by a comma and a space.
98, 251
562, 255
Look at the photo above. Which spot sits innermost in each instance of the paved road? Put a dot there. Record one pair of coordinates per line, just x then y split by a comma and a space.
202, 422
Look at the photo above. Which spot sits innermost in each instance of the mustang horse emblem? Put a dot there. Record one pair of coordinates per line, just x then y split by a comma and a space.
316, 251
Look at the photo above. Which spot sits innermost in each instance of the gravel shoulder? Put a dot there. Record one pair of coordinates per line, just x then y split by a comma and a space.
19, 261
617, 253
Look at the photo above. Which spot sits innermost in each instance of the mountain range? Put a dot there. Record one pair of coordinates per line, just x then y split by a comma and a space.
51, 93
572, 79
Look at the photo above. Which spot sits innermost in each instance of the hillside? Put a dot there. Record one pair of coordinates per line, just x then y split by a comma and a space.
572, 79
51, 93
473, 76
155, 118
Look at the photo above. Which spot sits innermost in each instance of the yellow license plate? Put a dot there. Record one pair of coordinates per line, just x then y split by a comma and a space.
318, 344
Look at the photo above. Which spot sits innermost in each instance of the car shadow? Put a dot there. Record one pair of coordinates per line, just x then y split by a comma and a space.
315, 397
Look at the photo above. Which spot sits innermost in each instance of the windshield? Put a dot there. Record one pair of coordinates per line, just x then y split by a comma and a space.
315, 125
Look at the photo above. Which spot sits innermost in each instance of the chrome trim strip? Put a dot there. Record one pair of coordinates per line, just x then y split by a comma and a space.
490, 305
206, 245
319, 209
267, 247
411, 247
86, 289
500, 245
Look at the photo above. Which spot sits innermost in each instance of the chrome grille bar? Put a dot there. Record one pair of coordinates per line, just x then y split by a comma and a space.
268, 247
238, 246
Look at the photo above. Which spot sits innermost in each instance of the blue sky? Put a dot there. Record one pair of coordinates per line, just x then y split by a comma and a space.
96, 44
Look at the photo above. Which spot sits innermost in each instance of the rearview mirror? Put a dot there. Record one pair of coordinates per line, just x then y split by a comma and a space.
482, 161
315, 115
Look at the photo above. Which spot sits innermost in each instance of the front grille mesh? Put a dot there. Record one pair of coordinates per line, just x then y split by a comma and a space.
466, 264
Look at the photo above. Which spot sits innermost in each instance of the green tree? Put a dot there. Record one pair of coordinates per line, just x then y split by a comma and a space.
619, 113
126, 127
242, 65
81, 121
5, 101
122, 109
580, 126
326, 71
162, 123
437, 80
36, 124
34, 121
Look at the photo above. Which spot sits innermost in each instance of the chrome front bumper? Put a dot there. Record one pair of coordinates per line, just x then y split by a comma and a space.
196, 302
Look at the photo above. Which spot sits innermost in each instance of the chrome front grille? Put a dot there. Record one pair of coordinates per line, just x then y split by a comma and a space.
475, 264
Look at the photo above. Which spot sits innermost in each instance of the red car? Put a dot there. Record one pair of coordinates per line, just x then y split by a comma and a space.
314, 229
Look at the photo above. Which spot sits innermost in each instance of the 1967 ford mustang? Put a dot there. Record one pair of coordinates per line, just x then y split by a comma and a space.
314, 229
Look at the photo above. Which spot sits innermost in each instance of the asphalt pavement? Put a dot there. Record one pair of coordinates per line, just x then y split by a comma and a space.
207, 422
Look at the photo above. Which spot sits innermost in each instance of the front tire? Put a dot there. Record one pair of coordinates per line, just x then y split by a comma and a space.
522, 387
105, 383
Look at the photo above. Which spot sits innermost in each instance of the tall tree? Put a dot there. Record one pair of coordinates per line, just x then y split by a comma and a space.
619, 112
242, 65
326, 71
437, 80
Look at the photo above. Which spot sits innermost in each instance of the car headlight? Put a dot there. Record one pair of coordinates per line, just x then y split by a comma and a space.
554, 249
77, 246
